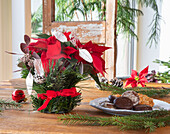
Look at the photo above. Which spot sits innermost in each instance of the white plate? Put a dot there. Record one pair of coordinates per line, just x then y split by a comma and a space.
96, 103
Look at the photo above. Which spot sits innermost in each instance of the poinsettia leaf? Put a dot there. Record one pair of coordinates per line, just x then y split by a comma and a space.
54, 50
98, 64
45, 62
27, 39
69, 50
96, 78
95, 47
130, 81
43, 36
83, 53
39, 44
89, 70
144, 72
144, 79
134, 73
100, 49
24, 48
134, 84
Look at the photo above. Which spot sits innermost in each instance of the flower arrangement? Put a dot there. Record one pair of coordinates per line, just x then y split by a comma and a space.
56, 63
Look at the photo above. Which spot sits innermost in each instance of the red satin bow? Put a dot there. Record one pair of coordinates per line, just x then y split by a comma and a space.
53, 94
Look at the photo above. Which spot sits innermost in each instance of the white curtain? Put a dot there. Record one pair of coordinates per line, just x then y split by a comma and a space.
165, 33
5, 39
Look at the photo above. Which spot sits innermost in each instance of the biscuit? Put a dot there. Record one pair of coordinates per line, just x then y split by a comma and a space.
117, 95
145, 100
132, 95
142, 107
123, 103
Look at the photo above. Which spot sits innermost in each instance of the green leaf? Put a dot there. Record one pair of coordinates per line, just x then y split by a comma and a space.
96, 78
43, 36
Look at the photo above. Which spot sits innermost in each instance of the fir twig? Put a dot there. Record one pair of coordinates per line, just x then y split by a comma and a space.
148, 121
151, 92
79, 119
5, 104
155, 24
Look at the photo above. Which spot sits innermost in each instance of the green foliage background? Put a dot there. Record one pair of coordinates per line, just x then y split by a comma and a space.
164, 77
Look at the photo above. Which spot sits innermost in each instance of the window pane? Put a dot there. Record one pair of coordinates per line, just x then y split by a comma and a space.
36, 17
80, 10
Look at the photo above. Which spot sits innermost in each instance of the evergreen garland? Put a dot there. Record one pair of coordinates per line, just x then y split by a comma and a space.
5, 104
151, 92
148, 121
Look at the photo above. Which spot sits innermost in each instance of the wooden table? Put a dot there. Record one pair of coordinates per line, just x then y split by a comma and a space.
30, 122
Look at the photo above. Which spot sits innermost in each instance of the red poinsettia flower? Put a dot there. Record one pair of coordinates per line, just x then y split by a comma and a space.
51, 49
39, 46
96, 52
54, 51
136, 79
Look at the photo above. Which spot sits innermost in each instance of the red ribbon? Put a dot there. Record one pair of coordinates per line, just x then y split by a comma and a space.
53, 94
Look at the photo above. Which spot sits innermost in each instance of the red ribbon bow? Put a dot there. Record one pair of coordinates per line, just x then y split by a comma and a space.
53, 94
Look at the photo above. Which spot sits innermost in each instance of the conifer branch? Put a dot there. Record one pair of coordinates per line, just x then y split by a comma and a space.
5, 104
148, 121
155, 24
149, 91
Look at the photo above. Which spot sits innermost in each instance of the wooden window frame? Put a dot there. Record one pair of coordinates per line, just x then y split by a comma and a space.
100, 32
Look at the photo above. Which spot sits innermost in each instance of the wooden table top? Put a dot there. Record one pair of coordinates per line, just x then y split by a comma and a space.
30, 122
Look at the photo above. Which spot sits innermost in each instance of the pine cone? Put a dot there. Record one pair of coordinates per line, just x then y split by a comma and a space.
39, 79
116, 82
104, 80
